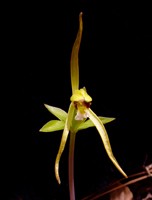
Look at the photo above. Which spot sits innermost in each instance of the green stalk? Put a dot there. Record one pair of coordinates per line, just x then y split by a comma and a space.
71, 165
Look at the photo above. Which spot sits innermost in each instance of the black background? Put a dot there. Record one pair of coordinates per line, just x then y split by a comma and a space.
115, 66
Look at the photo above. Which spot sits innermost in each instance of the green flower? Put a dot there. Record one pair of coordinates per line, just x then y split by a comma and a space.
79, 115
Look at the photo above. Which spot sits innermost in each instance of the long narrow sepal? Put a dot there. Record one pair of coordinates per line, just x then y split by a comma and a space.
74, 63
63, 140
104, 136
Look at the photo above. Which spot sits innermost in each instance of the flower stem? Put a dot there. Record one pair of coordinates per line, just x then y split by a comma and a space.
71, 165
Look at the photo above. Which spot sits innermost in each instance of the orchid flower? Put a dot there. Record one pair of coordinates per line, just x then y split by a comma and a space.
79, 117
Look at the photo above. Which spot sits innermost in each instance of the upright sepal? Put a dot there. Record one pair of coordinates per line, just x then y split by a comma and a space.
74, 63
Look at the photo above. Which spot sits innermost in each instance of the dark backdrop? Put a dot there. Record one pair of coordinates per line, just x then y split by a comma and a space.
115, 66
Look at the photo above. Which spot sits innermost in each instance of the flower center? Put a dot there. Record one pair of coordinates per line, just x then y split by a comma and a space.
82, 101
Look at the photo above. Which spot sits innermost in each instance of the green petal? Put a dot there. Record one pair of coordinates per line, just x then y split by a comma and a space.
88, 123
58, 112
64, 139
106, 120
104, 136
53, 125
74, 57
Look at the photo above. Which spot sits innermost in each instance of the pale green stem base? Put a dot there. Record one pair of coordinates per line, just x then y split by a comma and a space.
71, 166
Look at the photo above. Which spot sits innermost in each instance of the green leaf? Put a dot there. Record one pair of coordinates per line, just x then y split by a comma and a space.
58, 112
104, 136
74, 64
88, 123
64, 139
53, 125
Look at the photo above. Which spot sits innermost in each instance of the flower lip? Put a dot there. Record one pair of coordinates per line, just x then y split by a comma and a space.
81, 107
